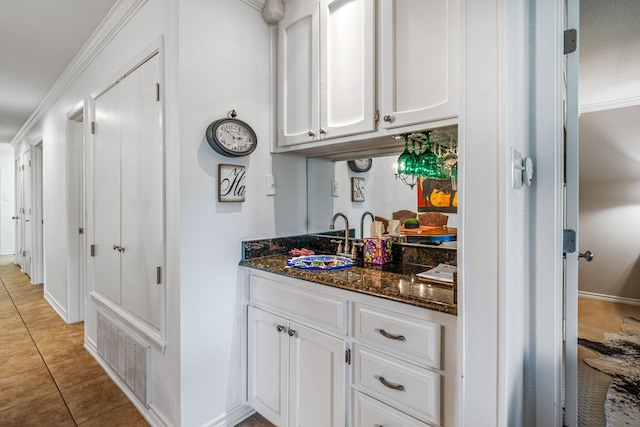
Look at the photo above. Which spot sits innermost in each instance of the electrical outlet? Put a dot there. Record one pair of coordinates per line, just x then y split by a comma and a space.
271, 185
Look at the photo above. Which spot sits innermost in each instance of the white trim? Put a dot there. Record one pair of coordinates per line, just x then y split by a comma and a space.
256, 4
55, 305
231, 417
150, 414
115, 20
610, 105
608, 298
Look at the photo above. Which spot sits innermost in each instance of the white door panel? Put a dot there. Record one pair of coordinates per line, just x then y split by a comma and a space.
107, 194
27, 244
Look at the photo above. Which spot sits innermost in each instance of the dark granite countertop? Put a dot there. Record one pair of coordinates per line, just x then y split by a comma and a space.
395, 281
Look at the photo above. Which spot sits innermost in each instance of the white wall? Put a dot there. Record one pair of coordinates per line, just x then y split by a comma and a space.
7, 200
610, 202
224, 65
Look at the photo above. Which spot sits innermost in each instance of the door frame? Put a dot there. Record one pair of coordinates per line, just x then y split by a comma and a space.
37, 218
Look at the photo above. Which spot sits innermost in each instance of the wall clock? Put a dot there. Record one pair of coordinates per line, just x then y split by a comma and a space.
231, 137
360, 165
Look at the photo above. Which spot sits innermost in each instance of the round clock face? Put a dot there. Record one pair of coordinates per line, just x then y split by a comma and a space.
231, 137
360, 165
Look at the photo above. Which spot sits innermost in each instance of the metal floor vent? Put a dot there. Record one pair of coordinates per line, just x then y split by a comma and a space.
126, 356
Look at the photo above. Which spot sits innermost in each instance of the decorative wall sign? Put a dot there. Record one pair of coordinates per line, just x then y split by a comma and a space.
231, 183
357, 189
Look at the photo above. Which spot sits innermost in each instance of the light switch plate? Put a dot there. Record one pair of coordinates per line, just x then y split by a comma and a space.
271, 185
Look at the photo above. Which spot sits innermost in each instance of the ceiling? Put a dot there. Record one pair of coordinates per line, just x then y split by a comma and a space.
39, 38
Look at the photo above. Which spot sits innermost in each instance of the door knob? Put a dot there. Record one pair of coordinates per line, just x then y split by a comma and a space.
588, 256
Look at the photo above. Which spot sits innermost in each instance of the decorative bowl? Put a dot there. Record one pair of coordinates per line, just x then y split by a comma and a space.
320, 262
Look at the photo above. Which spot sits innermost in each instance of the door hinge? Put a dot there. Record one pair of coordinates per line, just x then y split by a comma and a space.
93, 250
157, 91
93, 128
376, 116
81, 231
158, 275
570, 41
568, 241
347, 356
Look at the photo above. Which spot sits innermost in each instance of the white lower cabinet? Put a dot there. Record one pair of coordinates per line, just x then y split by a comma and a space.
308, 344
297, 375
369, 412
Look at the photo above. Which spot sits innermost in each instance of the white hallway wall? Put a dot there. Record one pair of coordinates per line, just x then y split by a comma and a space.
7, 200
207, 73
610, 202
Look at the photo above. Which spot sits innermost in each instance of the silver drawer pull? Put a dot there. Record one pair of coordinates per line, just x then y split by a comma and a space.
391, 336
391, 385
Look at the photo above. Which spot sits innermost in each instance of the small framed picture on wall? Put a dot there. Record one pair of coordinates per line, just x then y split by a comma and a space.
357, 189
231, 183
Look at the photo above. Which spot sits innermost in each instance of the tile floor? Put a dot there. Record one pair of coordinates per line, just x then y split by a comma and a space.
47, 378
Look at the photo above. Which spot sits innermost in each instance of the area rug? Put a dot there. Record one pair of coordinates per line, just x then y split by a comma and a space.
619, 356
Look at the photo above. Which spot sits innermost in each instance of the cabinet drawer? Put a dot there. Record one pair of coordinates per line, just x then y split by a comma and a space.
410, 338
312, 308
407, 387
369, 412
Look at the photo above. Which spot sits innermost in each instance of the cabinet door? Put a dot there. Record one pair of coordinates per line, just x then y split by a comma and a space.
268, 365
318, 379
106, 193
142, 193
347, 83
419, 57
369, 412
298, 74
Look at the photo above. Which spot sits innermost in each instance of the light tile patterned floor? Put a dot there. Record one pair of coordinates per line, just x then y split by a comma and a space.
47, 378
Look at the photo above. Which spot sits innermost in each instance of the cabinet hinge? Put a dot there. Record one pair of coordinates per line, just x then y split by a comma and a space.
159, 275
93, 250
570, 41
24, 254
81, 231
29, 163
93, 128
22, 167
157, 91
347, 356
376, 116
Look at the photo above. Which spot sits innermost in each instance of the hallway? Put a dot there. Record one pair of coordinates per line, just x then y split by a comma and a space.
46, 375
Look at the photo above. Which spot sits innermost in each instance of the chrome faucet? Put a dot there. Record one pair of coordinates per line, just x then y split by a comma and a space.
345, 252
362, 222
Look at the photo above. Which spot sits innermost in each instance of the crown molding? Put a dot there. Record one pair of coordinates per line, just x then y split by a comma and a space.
256, 4
110, 26
610, 105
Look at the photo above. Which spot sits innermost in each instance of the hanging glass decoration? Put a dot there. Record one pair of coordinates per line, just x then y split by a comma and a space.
404, 157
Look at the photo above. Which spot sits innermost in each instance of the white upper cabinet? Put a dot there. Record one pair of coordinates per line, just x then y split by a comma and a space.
419, 61
351, 73
326, 63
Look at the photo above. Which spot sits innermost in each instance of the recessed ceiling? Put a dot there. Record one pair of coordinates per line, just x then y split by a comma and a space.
38, 40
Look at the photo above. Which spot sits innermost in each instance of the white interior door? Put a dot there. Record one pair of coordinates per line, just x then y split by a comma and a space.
106, 194
27, 244
571, 222
18, 218
142, 189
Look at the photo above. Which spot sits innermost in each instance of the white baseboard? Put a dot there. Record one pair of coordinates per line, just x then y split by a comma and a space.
232, 417
151, 414
609, 298
54, 304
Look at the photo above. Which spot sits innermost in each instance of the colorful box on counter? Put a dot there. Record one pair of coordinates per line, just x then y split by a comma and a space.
377, 250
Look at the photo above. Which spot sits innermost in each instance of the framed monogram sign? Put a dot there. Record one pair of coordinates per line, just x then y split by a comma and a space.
231, 183
357, 189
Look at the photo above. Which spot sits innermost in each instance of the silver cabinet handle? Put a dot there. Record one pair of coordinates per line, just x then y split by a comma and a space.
15, 217
322, 131
388, 118
391, 336
116, 247
292, 332
311, 133
386, 383
280, 328
27, 220
588, 256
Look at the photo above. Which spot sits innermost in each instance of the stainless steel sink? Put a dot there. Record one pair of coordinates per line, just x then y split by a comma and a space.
320, 262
